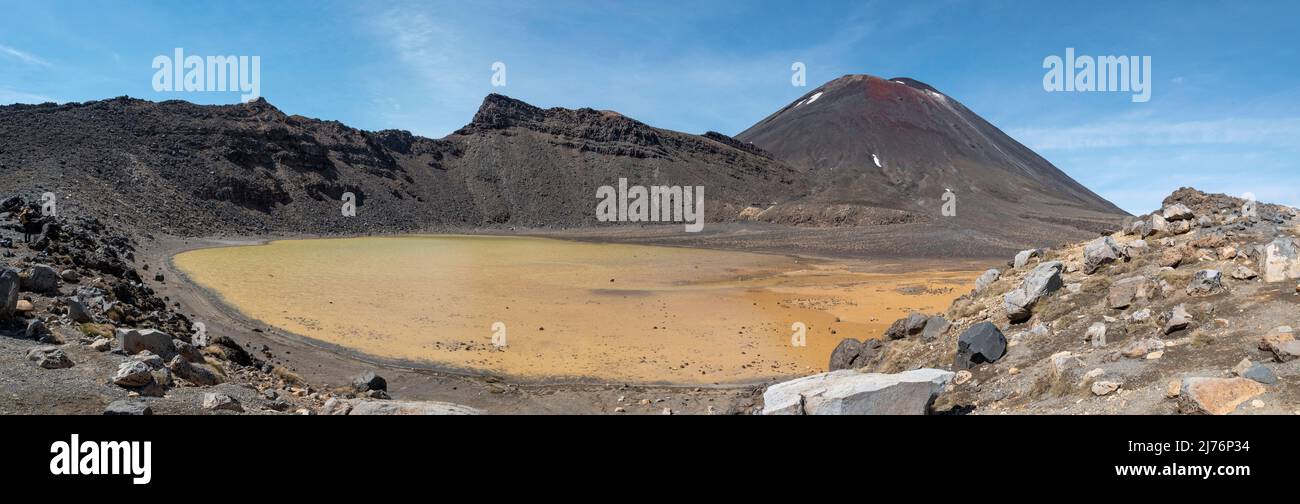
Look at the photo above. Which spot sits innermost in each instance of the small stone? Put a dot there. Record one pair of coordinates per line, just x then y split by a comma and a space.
101, 345
963, 376
1257, 403
1013, 371
1101, 388
128, 407
1241, 367
217, 401
1155, 355
133, 373
49, 358
1096, 334
1173, 388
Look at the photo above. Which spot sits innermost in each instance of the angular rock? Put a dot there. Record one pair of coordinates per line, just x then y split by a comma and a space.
1100, 252
187, 351
226, 348
847, 355
1136, 248
1159, 224
1279, 260
1023, 257
41, 278
77, 310
133, 373
1178, 319
935, 327
1124, 292
986, 279
136, 340
49, 357
369, 381
217, 401
10, 284
848, 392
101, 345
35, 329
1101, 387
1216, 396
1043, 280
1177, 212
370, 407
1140, 348
1171, 257
982, 343
1243, 273
1205, 282
128, 407
1096, 334
1287, 351
335, 406
193, 372
1260, 373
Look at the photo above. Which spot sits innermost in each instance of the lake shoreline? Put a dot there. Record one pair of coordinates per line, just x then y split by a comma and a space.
326, 363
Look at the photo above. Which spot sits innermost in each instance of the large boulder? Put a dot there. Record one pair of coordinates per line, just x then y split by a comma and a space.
1279, 260
1178, 212
368, 381
1043, 280
983, 342
194, 372
1125, 292
1100, 252
77, 311
912, 325
935, 327
1216, 396
226, 348
986, 279
852, 354
49, 357
133, 373
1023, 257
41, 278
134, 341
10, 284
849, 392
847, 355
381, 407
1178, 319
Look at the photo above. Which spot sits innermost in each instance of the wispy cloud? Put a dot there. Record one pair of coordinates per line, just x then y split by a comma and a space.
9, 96
1281, 132
23, 56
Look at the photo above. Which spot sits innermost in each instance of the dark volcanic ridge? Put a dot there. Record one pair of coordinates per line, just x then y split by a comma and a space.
180, 169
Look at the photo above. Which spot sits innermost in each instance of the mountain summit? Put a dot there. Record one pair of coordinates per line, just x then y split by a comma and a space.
900, 144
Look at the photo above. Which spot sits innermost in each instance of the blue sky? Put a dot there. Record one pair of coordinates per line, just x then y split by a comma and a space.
1224, 113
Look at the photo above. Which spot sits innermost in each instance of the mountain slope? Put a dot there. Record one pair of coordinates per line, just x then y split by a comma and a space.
899, 144
187, 169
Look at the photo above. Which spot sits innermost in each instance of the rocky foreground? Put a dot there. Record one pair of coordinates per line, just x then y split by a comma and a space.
82, 331
1189, 309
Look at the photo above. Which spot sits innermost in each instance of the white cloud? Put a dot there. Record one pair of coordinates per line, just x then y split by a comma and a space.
22, 56
9, 96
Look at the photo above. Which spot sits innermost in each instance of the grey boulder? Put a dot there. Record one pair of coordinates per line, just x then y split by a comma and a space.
849, 392
982, 343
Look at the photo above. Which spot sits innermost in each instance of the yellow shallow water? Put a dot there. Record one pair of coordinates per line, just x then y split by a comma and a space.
607, 312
